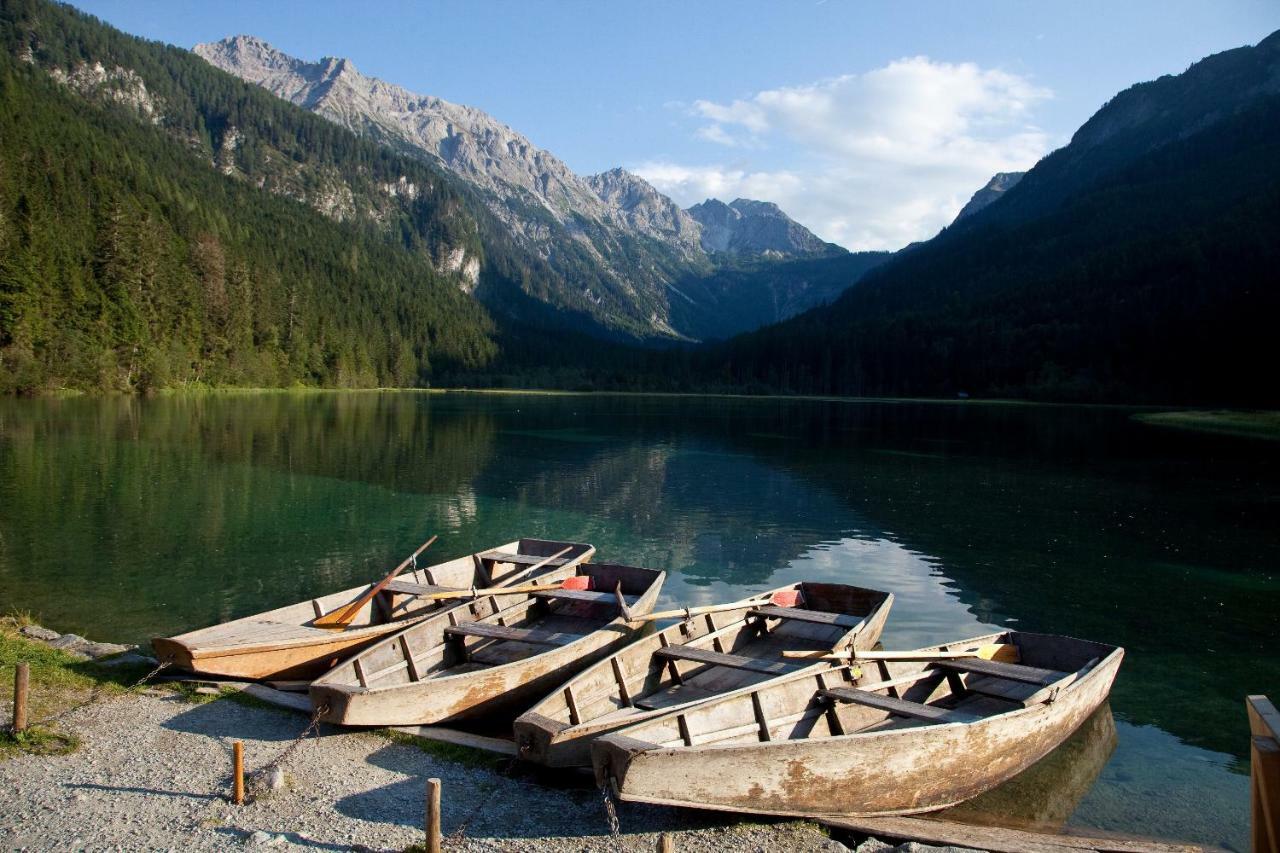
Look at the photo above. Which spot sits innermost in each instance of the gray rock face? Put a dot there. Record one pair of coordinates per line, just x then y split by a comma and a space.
37, 632
633, 202
752, 227
467, 141
995, 188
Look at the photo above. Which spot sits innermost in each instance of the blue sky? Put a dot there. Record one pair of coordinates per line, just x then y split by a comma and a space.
870, 122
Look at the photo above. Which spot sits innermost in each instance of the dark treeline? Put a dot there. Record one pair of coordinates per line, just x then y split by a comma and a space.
128, 262
160, 226
1159, 283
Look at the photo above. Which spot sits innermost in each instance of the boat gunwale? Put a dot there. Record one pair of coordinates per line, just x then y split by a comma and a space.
211, 652
1074, 686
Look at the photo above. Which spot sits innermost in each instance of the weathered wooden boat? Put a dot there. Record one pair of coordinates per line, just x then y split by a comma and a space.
499, 654
883, 738
284, 644
700, 658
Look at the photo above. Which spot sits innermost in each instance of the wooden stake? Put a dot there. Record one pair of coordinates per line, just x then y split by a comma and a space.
433, 816
237, 790
21, 681
666, 844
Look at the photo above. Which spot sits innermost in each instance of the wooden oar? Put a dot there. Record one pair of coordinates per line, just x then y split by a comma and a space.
1001, 652
688, 612
539, 564
493, 590
342, 617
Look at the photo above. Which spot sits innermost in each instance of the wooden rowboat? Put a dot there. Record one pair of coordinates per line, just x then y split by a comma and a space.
499, 654
883, 738
282, 643
698, 659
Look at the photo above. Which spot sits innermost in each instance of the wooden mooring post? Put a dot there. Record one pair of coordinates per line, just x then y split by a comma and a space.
1264, 773
433, 816
237, 784
21, 684
666, 843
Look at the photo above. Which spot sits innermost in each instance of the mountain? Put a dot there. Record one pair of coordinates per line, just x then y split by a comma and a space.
1001, 183
1135, 264
162, 224
616, 252
747, 227
634, 202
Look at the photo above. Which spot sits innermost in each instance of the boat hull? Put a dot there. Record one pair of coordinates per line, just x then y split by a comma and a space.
893, 772
555, 743
446, 696
288, 663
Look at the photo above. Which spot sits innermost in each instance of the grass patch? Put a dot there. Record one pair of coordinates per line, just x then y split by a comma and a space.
38, 740
1265, 425
456, 753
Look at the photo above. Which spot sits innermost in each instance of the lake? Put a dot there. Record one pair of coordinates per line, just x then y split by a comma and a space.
124, 518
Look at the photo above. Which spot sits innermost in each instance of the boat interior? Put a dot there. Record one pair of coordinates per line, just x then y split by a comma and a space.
400, 600
496, 629
714, 653
874, 696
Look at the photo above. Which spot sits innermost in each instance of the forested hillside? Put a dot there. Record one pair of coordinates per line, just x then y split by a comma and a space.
137, 251
1138, 263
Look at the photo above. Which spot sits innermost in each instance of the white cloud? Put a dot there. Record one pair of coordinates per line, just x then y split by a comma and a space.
870, 161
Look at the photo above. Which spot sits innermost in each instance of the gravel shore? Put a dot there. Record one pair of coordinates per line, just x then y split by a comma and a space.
153, 772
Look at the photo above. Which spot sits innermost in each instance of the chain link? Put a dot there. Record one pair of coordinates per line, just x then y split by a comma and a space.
312, 725
611, 813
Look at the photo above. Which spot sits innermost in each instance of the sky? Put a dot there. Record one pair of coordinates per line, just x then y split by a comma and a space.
871, 122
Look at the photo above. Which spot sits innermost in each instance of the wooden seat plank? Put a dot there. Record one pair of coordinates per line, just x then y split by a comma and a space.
1000, 688
517, 635
900, 707
1007, 671
799, 614
523, 559
707, 656
585, 595
411, 588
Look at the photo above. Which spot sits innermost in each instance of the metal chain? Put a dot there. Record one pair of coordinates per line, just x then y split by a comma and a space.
611, 813
505, 771
96, 694
312, 725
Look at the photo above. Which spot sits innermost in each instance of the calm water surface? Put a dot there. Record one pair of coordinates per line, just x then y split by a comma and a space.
122, 518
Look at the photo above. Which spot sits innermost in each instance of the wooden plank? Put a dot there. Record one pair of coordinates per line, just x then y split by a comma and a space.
443, 734
707, 656
516, 635
994, 838
1264, 719
799, 614
901, 707
1001, 688
1010, 671
623, 693
410, 663
410, 588
1264, 787
522, 559
585, 595
292, 701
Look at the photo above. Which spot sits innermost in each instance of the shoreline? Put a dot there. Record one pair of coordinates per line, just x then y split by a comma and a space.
147, 765
203, 391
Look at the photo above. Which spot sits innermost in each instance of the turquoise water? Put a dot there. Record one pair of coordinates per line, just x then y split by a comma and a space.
125, 518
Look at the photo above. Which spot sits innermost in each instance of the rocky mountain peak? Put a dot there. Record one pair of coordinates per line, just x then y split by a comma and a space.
999, 184
637, 205
748, 226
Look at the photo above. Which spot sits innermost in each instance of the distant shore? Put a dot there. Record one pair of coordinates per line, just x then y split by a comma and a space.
1264, 425
231, 390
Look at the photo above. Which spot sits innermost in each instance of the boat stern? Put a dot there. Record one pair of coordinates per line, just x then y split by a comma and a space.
539, 740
